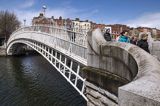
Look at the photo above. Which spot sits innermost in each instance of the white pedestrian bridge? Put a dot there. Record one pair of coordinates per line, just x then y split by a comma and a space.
64, 49
69, 51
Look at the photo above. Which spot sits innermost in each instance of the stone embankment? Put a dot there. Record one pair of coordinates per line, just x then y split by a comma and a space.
2, 51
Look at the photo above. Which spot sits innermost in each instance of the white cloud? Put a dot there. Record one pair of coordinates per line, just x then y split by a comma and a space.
27, 15
64, 12
146, 20
56, 12
27, 4
64, 9
87, 14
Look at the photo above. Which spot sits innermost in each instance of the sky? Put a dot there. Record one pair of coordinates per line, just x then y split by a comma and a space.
134, 13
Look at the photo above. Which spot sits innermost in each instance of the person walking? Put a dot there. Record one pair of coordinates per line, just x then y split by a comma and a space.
107, 35
124, 37
142, 43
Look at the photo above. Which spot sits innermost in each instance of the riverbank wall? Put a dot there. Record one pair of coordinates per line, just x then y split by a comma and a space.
2, 51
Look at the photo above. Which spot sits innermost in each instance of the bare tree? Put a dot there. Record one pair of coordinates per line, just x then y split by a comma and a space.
8, 23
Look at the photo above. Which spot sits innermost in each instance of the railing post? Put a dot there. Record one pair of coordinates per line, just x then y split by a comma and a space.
60, 60
71, 69
44, 50
51, 55
83, 86
55, 57
65, 61
78, 68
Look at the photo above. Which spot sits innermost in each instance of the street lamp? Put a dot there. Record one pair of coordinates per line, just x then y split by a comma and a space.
44, 9
24, 22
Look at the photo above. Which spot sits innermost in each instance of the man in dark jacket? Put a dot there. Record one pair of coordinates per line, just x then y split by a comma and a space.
142, 43
107, 35
133, 40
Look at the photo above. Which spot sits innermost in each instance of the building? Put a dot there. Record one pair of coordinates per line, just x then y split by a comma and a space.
144, 29
68, 23
155, 33
158, 34
118, 28
101, 26
134, 32
42, 20
81, 26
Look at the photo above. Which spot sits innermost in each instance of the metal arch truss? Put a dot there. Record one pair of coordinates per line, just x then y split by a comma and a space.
66, 67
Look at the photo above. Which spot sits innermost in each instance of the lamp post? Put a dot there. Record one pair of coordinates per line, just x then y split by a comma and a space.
65, 24
44, 9
24, 22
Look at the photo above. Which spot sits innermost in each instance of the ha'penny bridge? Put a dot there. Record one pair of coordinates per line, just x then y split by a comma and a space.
104, 73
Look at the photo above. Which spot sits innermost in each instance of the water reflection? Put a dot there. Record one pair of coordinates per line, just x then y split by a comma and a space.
32, 81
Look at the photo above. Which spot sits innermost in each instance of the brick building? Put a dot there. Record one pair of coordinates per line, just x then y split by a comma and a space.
154, 32
84, 26
42, 20
118, 28
95, 26
63, 22
144, 29
158, 34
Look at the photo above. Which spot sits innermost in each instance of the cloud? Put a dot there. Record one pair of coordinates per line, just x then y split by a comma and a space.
65, 12
28, 15
89, 13
26, 11
27, 4
145, 20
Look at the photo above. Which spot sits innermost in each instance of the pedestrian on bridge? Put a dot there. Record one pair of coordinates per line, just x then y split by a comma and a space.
107, 35
142, 43
133, 40
124, 37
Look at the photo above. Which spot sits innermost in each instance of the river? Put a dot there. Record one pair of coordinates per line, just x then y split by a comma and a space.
32, 81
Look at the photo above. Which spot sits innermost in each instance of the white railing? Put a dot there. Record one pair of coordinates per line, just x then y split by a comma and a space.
66, 67
76, 37
69, 42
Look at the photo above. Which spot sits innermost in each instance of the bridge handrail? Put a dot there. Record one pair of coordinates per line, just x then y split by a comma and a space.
80, 36
147, 79
50, 35
58, 33
126, 58
55, 27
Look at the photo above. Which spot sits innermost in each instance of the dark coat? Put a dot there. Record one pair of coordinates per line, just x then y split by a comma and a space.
133, 42
143, 44
107, 37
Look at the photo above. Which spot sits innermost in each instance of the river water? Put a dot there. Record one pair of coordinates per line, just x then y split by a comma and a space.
32, 81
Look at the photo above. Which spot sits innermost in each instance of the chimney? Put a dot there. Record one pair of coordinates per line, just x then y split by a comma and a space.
60, 18
52, 17
77, 19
